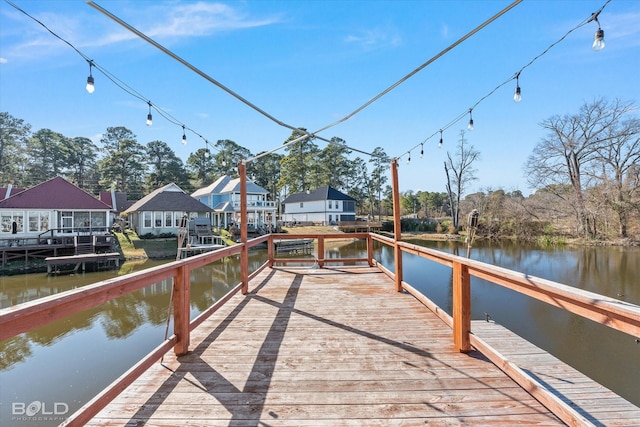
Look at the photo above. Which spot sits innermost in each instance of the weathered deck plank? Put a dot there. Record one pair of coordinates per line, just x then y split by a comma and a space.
324, 347
595, 402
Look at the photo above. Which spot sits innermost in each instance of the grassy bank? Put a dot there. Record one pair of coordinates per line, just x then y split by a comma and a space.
132, 247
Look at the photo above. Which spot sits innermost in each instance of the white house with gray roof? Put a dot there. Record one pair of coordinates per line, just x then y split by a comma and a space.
324, 205
161, 211
223, 198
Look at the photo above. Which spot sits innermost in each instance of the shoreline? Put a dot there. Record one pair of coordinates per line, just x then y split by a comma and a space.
166, 249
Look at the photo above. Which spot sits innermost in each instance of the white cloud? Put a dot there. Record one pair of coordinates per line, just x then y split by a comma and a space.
444, 31
622, 27
374, 39
3, 60
202, 19
86, 30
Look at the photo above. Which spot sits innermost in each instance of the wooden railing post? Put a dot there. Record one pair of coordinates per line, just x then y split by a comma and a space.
244, 254
320, 251
270, 251
370, 249
181, 310
461, 307
397, 231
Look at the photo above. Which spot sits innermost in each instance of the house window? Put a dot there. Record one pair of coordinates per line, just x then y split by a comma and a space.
330, 205
98, 220
147, 219
8, 218
66, 221
301, 205
39, 221
82, 220
168, 219
349, 206
178, 216
158, 219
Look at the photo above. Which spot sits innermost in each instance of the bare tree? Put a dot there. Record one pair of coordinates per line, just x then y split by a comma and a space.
460, 172
619, 159
571, 147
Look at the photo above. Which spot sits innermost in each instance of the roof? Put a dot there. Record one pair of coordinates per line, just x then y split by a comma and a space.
225, 185
214, 188
168, 198
321, 193
121, 201
9, 191
233, 186
223, 207
56, 193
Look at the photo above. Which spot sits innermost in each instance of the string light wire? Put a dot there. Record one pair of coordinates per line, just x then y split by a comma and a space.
114, 79
306, 134
459, 117
274, 119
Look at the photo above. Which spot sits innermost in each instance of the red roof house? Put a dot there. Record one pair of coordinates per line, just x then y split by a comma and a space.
56, 205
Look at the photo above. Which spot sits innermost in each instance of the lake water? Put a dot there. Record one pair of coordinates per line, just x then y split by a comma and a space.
64, 364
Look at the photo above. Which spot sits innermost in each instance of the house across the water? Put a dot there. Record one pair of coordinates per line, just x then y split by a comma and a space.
50, 211
223, 199
160, 212
323, 206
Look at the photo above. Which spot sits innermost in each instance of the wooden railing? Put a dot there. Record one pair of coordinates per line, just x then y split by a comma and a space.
21, 318
607, 311
320, 255
611, 312
27, 316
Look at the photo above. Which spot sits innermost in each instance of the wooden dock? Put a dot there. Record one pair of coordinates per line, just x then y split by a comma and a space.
293, 246
359, 226
324, 347
81, 260
593, 401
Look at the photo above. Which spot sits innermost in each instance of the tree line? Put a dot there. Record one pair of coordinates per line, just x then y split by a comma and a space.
122, 163
585, 172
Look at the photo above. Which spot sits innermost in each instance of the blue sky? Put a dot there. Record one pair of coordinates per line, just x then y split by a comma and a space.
309, 63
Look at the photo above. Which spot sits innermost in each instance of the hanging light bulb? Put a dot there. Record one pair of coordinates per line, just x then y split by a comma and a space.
517, 96
598, 40
440, 143
421, 149
184, 137
149, 117
598, 37
470, 126
409, 158
90, 87
206, 153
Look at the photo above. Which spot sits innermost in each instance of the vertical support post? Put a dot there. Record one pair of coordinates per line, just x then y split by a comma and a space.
320, 251
181, 310
244, 253
270, 251
461, 307
370, 249
397, 231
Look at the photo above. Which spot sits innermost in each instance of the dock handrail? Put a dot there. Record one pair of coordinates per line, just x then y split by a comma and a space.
616, 314
32, 314
320, 256
23, 317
